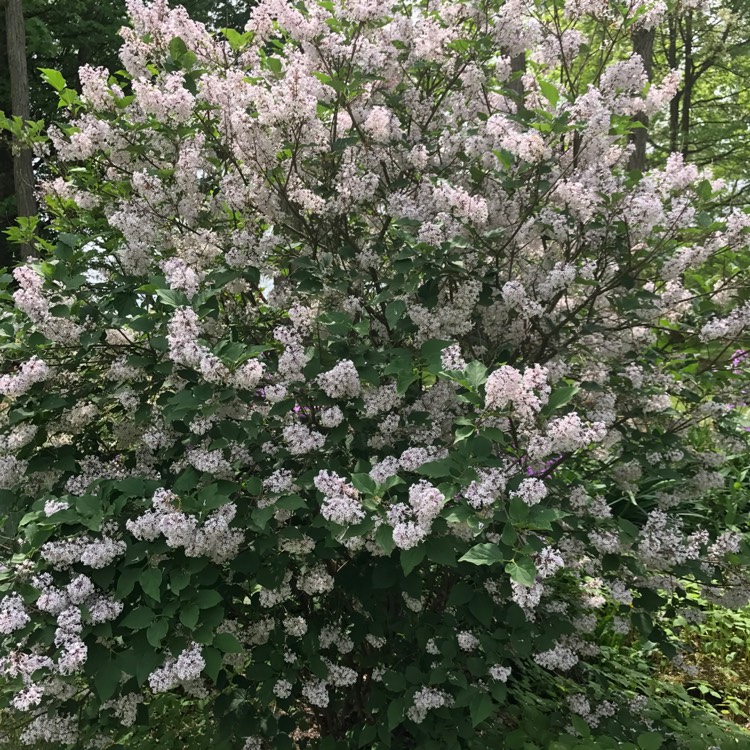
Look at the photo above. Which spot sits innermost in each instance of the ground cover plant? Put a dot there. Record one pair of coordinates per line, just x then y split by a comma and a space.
363, 396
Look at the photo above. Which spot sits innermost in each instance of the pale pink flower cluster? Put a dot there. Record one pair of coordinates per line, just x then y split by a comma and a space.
317, 580
32, 371
12, 471
30, 299
182, 276
526, 392
729, 327
96, 89
662, 543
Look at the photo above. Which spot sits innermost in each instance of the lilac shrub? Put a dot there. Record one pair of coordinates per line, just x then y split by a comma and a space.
361, 395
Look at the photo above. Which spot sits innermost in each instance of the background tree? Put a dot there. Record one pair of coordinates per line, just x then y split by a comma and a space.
64, 36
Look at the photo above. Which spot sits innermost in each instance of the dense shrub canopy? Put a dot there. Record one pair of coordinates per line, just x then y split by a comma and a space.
363, 397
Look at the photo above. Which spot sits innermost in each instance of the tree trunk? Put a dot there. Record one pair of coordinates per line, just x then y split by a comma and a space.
23, 173
643, 45
518, 65
674, 104
687, 89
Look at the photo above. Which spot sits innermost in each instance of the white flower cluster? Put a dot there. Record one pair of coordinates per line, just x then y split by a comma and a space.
531, 491
300, 439
559, 657
295, 626
12, 471
182, 276
729, 327
271, 597
661, 543
565, 435
94, 553
548, 562
427, 699
13, 615
451, 359
485, 491
341, 504
282, 688
249, 374
185, 669
317, 580
341, 382
50, 730
500, 673
213, 539
336, 637
412, 523
316, 693
467, 641
125, 708
185, 350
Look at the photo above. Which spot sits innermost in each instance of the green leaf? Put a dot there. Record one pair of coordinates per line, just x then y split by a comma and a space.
178, 580
560, 396
441, 550
543, 518
650, 741
106, 680
156, 632
483, 554
189, 616
464, 432
384, 537
364, 483
410, 558
436, 468
212, 657
177, 48
150, 581
54, 78
482, 608
550, 93
139, 618
481, 708
254, 485
580, 725
395, 713
522, 571
126, 582
476, 374
643, 623
394, 312
228, 644
208, 598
